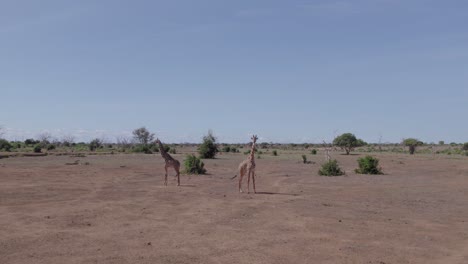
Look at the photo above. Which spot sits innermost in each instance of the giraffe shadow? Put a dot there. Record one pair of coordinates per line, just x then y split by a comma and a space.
187, 185
275, 193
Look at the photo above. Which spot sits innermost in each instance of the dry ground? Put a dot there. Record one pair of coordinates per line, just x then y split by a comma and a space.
116, 210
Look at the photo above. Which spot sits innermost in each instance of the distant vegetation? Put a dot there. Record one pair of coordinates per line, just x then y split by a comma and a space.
142, 141
348, 142
412, 143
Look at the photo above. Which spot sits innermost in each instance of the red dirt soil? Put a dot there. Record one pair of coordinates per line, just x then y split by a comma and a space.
116, 209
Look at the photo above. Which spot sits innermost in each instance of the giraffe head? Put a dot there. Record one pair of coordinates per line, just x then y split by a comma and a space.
157, 141
254, 138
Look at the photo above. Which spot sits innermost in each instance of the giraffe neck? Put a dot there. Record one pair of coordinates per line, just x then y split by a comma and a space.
164, 154
252, 152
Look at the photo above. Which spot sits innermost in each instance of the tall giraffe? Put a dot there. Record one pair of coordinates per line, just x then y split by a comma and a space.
170, 162
248, 166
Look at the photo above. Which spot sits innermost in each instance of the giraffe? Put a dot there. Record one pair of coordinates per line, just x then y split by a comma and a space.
248, 166
170, 162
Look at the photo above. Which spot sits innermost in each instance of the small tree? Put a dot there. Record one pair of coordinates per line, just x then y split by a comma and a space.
5, 145
68, 140
368, 165
348, 142
194, 165
412, 143
441, 142
44, 139
142, 135
31, 141
208, 148
95, 144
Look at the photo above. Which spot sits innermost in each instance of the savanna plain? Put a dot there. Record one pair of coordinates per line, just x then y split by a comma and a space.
116, 209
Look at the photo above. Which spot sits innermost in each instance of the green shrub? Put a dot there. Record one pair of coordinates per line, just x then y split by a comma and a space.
275, 153
172, 151
465, 146
142, 149
95, 144
208, 148
31, 141
194, 165
37, 148
247, 152
234, 149
226, 149
50, 147
5, 145
368, 165
331, 168
313, 152
304, 159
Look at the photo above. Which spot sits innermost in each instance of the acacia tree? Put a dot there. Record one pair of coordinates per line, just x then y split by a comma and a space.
143, 136
348, 142
208, 148
412, 143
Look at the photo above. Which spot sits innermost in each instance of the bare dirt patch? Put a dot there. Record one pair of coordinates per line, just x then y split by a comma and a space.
116, 209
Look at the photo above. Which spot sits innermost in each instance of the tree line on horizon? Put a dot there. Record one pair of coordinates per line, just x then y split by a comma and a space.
143, 142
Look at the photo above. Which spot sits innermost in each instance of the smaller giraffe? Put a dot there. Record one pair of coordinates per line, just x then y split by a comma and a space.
170, 162
248, 166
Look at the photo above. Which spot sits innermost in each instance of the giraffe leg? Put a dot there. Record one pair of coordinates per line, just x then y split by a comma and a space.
165, 176
253, 180
248, 182
240, 181
178, 175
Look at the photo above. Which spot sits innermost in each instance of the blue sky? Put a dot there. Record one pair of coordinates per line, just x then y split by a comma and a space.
289, 71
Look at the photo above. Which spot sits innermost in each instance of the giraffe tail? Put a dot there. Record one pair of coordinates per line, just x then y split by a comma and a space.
234, 177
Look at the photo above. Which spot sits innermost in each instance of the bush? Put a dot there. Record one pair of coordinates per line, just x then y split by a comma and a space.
194, 165
142, 149
465, 146
208, 148
31, 141
331, 168
313, 152
368, 165
226, 149
5, 145
304, 159
275, 153
50, 147
95, 144
37, 149
172, 151
234, 149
